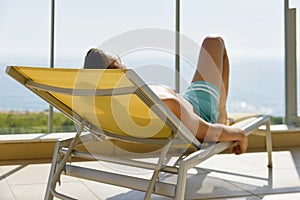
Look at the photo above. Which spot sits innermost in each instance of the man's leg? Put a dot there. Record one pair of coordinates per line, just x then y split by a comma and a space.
224, 91
213, 67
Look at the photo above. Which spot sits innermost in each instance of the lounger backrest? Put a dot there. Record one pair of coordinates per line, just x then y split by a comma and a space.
104, 98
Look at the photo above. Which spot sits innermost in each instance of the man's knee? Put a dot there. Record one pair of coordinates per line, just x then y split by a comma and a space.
214, 47
213, 41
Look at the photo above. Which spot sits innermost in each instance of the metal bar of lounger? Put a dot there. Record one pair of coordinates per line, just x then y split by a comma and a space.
159, 165
81, 92
120, 160
268, 134
55, 159
253, 126
62, 163
269, 144
136, 183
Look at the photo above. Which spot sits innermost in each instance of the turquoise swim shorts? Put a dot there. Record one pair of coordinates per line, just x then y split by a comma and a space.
204, 98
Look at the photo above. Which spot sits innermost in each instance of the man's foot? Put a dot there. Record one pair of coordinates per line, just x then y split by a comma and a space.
230, 121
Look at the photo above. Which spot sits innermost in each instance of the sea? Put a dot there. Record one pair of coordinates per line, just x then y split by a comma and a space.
256, 86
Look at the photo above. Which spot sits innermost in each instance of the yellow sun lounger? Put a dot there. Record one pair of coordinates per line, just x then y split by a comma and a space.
117, 107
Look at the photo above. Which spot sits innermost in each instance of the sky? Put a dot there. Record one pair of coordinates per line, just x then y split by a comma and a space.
250, 28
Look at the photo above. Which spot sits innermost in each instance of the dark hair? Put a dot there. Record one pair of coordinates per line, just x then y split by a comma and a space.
98, 59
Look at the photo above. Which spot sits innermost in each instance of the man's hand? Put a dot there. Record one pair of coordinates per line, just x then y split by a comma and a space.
241, 145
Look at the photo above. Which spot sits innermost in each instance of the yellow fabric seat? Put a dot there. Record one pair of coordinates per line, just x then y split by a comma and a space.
109, 113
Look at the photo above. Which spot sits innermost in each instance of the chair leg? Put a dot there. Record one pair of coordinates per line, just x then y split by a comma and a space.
269, 144
181, 182
55, 159
155, 174
58, 166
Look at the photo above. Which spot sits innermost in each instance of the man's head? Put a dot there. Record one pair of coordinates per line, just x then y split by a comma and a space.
98, 59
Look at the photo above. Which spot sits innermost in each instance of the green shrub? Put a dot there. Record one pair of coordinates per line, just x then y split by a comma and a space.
33, 122
276, 120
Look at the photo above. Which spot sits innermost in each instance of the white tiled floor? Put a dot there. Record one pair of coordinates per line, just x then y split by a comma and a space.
224, 176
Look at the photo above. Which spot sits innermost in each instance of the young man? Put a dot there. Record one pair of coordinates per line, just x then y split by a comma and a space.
202, 108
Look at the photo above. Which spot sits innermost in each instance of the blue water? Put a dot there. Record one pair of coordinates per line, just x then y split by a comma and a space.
14, 96
255, 86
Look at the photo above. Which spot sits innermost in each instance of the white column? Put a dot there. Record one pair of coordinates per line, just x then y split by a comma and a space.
290, 65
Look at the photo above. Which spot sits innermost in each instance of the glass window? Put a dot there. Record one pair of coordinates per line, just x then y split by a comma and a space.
254, 35
24, 39
253, 32
80, 25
